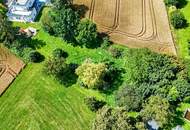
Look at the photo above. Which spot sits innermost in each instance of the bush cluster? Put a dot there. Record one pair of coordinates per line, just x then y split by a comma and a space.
94, 104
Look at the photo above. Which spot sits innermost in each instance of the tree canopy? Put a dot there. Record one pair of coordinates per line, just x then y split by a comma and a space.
158, 109
91, 74
87, 33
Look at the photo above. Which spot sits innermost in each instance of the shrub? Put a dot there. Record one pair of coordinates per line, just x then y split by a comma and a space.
158, 109
47, 22
35, 56
59, 53
55, 66
26, 54
129, 98
91, 74
87, 33
105, 43
178, 19
116, 52
65, 22
94, 104
183, 88
113, 119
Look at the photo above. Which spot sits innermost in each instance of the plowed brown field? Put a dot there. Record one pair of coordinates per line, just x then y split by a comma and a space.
135, 23
10, 66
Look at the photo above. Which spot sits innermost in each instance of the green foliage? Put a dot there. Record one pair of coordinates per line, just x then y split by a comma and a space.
59, 4
157, 74
3, 9
183, 88
35, 56
186, 99
171, 2
173, 94
144, 66
116, 52
47, 21
65, 22
106, 43
112, 119
60, 70
140, 126
177, 19
55, 66
87, 33
94, 104
129, 98
6, 32
158, 109
60, 53
176, 3
91, 74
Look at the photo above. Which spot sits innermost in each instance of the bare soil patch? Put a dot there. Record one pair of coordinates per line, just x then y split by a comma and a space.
10, 66
135, 23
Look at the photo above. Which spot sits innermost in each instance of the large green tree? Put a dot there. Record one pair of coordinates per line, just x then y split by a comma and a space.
158, 109
112, 119
152, 73
6, 34
87, 33
177, 19
91, 74
65, 23
129, 97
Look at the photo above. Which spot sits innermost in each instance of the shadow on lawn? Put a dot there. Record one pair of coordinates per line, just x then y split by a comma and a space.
81, 9
69, 77
182, 3
113, 79
31, 43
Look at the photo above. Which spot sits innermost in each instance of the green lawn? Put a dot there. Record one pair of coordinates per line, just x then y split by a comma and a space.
36, 101
183, 34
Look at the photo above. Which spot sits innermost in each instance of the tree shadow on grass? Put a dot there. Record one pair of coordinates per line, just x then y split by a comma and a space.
182, 4
81, 9
29, 42
69, 77
113, 79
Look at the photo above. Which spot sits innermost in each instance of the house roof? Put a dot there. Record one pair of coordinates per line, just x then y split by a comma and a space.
21, 2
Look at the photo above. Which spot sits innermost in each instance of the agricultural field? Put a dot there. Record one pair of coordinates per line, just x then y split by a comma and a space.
10, 66
135, 23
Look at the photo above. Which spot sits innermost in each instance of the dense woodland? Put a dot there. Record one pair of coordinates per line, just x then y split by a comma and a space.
147, 83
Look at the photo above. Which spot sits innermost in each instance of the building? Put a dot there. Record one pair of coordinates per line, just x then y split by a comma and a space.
24, 10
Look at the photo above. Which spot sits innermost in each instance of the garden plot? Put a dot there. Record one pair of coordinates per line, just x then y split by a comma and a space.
135, 23
10, 66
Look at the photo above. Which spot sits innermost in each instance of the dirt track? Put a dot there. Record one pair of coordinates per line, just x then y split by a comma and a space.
10, 66
135, 23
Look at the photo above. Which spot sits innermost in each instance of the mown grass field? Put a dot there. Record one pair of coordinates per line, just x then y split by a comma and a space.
182, 35
37, 102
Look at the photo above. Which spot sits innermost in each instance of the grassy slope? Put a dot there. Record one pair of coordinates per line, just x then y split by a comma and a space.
35, 101
183, 34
